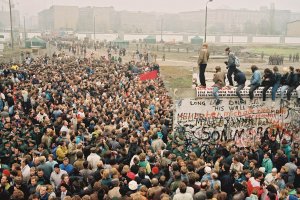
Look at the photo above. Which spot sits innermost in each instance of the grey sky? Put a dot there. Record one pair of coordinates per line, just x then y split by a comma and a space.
31, 7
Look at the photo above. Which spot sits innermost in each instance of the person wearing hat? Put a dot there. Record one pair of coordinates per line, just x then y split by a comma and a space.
202, 63
230, 65
207, 175
133, 186
219, 82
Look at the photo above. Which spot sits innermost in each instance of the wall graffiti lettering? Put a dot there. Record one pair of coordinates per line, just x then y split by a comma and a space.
206, 123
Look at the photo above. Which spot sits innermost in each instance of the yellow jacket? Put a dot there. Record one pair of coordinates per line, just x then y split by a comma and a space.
61, 152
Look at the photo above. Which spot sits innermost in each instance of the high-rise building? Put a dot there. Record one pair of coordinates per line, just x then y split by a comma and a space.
59, 18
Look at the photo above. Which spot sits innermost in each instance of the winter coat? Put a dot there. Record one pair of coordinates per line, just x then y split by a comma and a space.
256, 78
219, 79
231, 60
240, 78
203, 56
267, 164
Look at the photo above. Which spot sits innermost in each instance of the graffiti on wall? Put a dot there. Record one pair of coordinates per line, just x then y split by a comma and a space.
206, 122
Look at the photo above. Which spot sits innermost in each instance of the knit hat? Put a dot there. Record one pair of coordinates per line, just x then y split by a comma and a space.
130, 175
262, 169
155, 170
6, 172
207, 170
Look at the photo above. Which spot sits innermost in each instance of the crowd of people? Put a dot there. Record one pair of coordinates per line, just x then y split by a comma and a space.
276, 59
90, 129
287, 82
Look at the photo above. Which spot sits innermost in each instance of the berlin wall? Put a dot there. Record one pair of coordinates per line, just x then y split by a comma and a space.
203, 121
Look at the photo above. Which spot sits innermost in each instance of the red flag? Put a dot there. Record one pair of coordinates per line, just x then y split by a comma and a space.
149, 75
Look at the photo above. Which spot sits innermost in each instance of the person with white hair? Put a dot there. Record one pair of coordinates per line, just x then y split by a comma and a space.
271, 177
214, 181
206, 176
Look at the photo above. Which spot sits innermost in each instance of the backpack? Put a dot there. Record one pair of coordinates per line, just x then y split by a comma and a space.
236, 61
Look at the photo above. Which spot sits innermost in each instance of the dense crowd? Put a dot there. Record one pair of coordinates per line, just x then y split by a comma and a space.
90, 129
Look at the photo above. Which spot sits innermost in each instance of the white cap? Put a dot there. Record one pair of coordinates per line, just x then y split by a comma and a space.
274, 170
133, 185
207, 170
262, 169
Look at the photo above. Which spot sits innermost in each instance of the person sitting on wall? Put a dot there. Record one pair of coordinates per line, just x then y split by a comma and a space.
276, 84
267, 82
255, 82
290, 81
219, 80
240, 78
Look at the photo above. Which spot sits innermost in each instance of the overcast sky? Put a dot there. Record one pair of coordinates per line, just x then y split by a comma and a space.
31, 7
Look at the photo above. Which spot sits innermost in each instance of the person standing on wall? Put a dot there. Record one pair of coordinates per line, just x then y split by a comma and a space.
254, 82
240, 78
202, 63
219, 80
231, 66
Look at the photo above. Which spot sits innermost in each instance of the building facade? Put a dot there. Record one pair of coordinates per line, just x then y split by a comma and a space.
293, 29
59, 18
266, 21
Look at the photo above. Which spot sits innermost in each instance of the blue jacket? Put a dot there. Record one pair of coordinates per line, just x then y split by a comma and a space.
240, 78
256, 78
69, 168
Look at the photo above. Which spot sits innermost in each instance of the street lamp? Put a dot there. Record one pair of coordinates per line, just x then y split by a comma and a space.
206, 19
11, 25
94, 29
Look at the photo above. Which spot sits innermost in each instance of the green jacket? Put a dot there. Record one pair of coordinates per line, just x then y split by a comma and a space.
267, 164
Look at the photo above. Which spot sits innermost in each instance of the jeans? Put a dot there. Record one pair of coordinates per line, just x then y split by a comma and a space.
274, 90
216, 92
289, 92
283, 89
238, 90
202, 68
298, 91
264, 92
229, 75
251, 91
